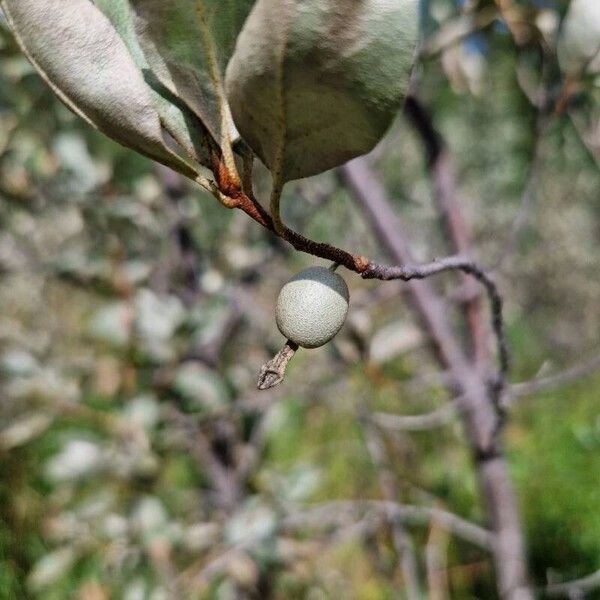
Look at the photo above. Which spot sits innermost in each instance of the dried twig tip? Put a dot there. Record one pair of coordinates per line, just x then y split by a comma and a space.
273, 371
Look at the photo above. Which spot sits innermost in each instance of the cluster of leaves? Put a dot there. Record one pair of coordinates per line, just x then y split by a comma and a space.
311, 86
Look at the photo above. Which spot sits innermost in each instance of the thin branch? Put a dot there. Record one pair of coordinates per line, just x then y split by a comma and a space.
433, 420
331, 513
436, 561
544, 384
223, 479
591, 146
357, 263
443, 175
480, 416
247, 171
389, 490
336, 514
515, 20
481, 409
450, 263
575, 588
372, 197
217, 566
456, 30
252, 207
276, 191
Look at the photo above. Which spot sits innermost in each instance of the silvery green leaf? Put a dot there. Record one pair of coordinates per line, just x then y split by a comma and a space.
44, 384
298, 484
183, 125
149, 518
314, 83
113, 526
579, 41
394, 339
50, 567
119, 14
136, 271
156, 320
201, 536
143, 411
78, 458
17, 363
112, 324
136, 590
187, 44
201, 387
24, 430
157, 317
73, 155
253, 521
82, 58
97, 505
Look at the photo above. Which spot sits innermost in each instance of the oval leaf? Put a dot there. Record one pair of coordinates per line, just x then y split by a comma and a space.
183, 125
77, 51
187, 43
314, 83
579, 42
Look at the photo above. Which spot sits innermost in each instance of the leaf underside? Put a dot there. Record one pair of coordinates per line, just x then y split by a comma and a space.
314, 83
187, 44
82, 58
181, 123
137, 70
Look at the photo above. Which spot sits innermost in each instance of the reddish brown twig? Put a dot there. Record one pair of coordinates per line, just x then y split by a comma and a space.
237, 198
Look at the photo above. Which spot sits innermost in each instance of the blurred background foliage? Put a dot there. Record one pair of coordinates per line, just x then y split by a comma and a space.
136, 312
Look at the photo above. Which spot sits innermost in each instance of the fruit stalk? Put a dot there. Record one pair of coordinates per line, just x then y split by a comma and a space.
273, 371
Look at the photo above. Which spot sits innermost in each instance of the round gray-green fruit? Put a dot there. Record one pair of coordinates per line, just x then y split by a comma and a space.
312, 307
